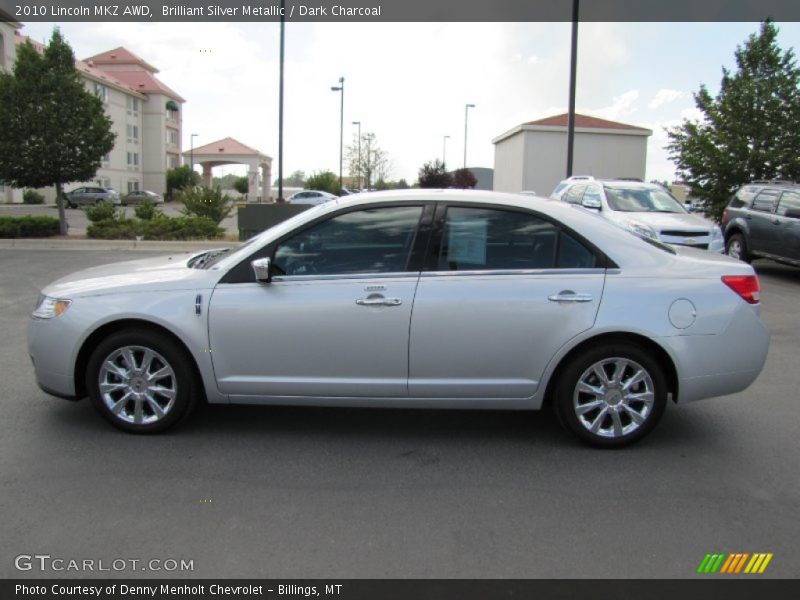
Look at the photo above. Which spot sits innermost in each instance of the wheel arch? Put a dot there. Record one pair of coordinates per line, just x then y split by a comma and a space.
645, 343
106, 329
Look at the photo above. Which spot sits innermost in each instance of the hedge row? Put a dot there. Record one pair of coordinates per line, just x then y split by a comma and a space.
19, 227
163, 228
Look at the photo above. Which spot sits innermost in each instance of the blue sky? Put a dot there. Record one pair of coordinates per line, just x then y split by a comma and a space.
408, 83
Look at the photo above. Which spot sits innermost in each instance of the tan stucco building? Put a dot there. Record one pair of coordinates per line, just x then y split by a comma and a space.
533, 156
145, 115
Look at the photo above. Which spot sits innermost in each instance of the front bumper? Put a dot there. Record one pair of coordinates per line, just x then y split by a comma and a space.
52, 346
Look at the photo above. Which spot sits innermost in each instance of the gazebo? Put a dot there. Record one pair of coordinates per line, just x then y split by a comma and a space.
230, 151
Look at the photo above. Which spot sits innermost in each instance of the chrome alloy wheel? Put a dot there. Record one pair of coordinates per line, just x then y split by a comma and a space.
614, 397
735, 249
137, 384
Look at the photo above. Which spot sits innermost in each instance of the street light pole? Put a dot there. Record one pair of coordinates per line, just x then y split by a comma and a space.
280, 111
358, 168
444, 149
466, 114
191, 150
340, 88
573, 67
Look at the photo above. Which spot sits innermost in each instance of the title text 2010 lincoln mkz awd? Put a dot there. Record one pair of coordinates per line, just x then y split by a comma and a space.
444, 299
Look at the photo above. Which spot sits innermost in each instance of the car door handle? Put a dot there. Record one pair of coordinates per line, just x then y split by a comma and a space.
379, 301
569, 296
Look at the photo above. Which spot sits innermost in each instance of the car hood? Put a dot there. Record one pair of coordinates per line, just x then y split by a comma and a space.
143, 275
667, 221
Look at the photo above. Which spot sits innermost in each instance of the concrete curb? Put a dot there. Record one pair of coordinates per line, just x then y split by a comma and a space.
82, 244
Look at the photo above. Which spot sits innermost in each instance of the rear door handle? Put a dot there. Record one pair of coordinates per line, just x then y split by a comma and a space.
379, 301
570, 296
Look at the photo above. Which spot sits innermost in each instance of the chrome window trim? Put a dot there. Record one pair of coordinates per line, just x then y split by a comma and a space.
496, 272
343, 276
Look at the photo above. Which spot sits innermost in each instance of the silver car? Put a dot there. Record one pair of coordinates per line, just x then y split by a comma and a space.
310, 197
89, 195
419, 298
644, 208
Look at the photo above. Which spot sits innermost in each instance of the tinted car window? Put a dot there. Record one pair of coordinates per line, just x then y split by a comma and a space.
766, 201
574, 194
489, 239
788, 201
375, 240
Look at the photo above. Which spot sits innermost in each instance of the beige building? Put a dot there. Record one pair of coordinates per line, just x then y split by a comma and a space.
8, 31
145, 115
533, 156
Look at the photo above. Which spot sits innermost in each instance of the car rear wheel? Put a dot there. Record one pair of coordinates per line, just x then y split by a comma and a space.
141, 382
737, 247
611, 396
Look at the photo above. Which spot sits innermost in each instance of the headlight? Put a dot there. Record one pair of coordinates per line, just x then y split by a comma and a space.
643, 230
716, 234
47, 307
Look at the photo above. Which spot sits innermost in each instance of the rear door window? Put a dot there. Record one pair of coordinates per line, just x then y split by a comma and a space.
789, 200
766, 201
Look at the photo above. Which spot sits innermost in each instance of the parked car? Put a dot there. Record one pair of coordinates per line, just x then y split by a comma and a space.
139, 196
517, 302
559, 190
762, 220
645, 208
84, 196
310, 197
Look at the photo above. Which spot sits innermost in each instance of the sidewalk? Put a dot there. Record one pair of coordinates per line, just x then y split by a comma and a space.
86, 244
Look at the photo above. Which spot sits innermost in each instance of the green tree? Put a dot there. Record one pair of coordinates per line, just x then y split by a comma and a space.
324, 181
179, 178
205, 202
464, 178
241, 185
434, 175
53, 130
748, 130
296, 179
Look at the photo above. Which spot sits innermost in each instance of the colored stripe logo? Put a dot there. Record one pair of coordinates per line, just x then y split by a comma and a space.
735, 563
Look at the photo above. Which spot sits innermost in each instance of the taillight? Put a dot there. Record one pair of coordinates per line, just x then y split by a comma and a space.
745, 285
725, 217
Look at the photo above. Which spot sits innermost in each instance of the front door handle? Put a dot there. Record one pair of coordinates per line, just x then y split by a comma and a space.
379, 301
570, 296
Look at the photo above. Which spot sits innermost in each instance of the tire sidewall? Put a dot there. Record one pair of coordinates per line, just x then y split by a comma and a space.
185, 399
563, 400
742, 244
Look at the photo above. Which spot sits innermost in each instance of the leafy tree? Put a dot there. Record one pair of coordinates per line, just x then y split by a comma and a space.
401, 184
226, 182
241, 185
205, 202
296, 179
371, 164
434, 175
464, 178
748, 130
324, 181
179, 178
53, 130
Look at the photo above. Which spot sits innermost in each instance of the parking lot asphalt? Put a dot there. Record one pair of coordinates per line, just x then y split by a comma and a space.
77, 221
304, 492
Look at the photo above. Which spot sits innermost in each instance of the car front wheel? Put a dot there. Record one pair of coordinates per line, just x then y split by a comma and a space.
611, 396
737, 247
141, 382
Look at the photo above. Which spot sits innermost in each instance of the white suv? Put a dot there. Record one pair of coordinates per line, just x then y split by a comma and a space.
647, 209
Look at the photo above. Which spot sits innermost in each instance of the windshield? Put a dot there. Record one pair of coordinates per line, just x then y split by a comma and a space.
642, 199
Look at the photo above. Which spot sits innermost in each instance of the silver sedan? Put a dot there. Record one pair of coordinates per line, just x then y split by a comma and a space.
420, 298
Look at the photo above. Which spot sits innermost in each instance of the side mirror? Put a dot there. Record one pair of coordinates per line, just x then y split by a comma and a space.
792, 213
262, 268
591, 203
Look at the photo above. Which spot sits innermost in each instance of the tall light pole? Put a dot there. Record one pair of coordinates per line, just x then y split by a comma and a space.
466, 114
191, 150
573, 67
280, 110
444, 149
358, 168
340, 88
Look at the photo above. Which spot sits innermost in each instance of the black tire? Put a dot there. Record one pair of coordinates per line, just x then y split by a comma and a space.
567, 399
736, 244
182, 381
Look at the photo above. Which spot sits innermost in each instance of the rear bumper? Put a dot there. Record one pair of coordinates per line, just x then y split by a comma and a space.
722, 364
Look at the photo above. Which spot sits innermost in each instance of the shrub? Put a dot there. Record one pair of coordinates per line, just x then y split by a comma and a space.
241, 185
179, 178
102, 211
205, 202
17, 227
32, 197
325, 181
147, 211
160, 228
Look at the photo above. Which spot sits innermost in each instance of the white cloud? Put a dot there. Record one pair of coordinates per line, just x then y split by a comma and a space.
622, 107
666, 96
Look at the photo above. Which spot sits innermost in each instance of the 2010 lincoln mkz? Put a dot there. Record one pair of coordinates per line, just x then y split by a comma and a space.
441, 299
